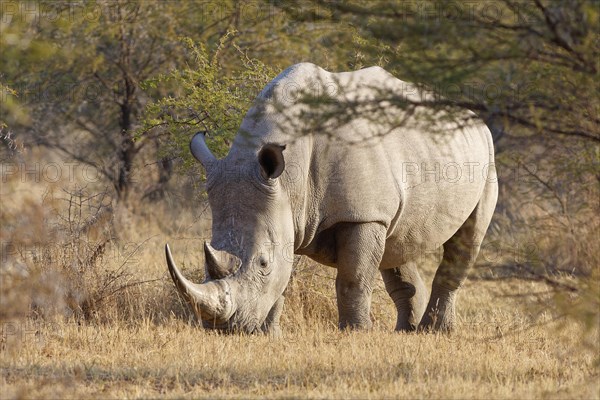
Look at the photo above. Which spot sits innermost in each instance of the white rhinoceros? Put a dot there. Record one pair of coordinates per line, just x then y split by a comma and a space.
367, 194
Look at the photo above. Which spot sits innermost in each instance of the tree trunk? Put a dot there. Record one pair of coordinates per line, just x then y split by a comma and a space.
127, 151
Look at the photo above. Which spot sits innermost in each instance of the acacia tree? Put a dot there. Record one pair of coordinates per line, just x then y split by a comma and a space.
519, 63
83, 95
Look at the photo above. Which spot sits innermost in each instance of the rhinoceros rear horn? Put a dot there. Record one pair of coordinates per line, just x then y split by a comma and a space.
211, 301
219, 264
201, 151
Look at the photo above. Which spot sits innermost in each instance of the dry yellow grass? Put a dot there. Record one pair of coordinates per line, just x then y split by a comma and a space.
137, 340
498, 352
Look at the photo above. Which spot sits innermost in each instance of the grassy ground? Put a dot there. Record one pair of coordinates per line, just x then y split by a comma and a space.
504, 348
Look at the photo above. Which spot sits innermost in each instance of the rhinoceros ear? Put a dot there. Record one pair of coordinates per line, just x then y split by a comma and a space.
271, 160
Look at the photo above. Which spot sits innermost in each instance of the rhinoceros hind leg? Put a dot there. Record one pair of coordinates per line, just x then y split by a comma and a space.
460, 252
459, 256
359, 249
406, 288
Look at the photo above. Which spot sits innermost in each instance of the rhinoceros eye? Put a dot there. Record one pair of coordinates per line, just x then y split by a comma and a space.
264, 266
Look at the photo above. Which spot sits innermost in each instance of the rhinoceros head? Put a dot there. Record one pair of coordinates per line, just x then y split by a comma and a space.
249, 260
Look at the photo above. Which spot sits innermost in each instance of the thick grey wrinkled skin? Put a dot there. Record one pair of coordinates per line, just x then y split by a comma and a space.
362, 198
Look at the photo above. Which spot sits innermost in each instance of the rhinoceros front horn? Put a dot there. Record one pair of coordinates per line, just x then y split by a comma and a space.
211, 301
220, 264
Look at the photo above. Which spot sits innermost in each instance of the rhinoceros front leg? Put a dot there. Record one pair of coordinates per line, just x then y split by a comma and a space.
271, 325
359, 249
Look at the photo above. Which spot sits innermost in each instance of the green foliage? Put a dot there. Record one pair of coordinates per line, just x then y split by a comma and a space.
7, 104
203, 96
77, 68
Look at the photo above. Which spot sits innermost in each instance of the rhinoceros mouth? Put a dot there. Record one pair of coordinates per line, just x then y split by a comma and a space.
234, 327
